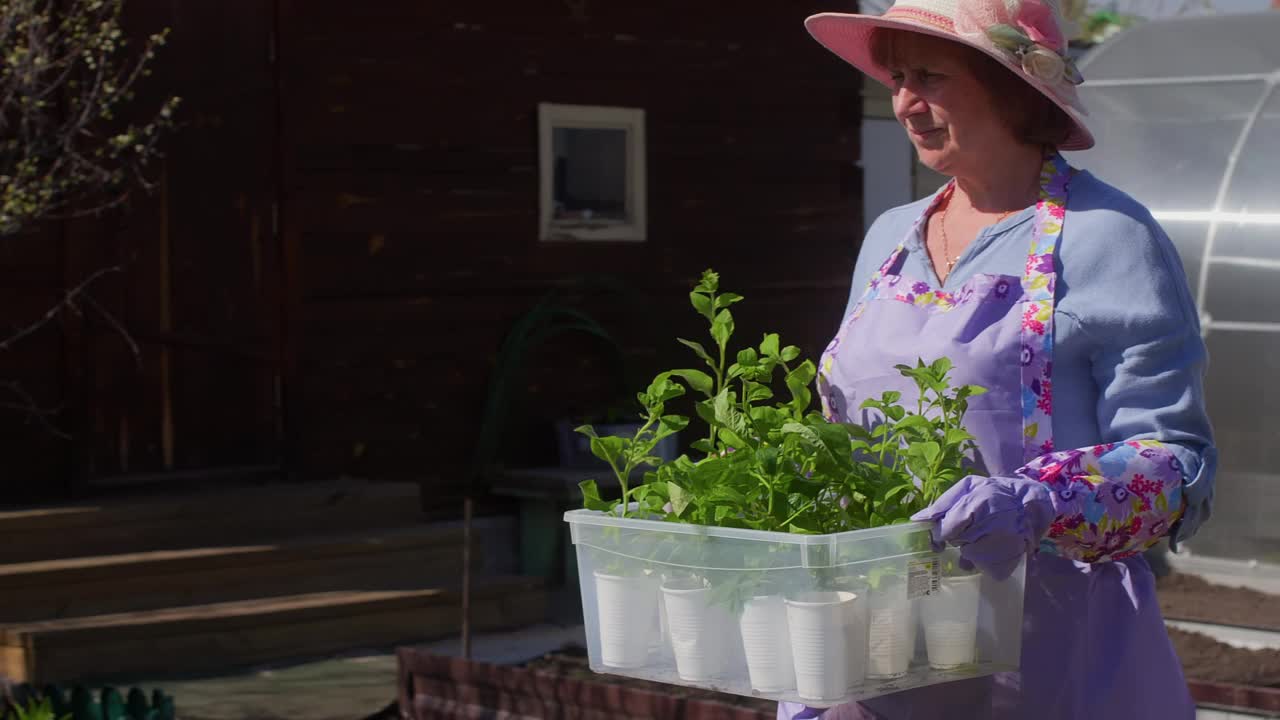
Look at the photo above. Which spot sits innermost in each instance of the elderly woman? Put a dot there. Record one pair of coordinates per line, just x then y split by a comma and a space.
1063, 297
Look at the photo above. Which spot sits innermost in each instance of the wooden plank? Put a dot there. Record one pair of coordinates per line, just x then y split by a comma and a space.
77, 587
248, 514
251, 632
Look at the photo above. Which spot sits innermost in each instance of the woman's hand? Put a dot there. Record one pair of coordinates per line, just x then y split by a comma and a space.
995, 521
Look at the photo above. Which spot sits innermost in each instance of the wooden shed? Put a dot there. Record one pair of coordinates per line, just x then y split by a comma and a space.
361, 203
348, 221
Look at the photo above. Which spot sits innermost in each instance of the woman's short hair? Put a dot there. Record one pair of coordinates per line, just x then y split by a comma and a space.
1032, 117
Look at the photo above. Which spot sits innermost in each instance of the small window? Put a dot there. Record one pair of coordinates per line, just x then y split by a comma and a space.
593, 181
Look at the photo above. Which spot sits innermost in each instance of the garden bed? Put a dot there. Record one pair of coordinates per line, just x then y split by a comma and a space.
1204, 658
558, 685
571, 662
1217, 673
1188, 597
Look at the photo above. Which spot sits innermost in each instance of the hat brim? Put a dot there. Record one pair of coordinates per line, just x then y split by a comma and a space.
848, 36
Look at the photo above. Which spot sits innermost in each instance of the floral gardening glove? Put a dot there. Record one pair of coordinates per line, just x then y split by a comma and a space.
995, 521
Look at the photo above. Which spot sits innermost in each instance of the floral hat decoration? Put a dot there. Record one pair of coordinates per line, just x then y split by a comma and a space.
1026, 36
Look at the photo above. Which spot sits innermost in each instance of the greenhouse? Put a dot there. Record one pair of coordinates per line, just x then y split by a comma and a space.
1188, 122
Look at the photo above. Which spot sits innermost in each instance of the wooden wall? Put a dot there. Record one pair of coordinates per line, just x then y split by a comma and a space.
346, 226
198, 286
411, 205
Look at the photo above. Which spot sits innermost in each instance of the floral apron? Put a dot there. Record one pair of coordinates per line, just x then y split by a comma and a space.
1094, 644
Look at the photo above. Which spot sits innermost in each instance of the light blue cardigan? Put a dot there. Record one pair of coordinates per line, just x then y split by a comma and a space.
1128, 356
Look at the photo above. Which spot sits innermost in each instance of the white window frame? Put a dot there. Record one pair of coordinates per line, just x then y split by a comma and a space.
551, 116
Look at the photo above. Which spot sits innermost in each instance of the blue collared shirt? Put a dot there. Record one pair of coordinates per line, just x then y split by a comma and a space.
1128, 356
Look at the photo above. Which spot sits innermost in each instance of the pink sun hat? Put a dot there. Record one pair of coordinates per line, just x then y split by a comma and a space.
1025, 36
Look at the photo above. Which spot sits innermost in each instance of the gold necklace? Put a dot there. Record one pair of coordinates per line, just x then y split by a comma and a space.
942, 228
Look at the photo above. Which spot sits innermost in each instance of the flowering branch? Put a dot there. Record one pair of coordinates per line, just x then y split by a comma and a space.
63, 77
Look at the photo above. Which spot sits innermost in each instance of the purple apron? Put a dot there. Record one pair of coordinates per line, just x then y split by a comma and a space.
1094, 644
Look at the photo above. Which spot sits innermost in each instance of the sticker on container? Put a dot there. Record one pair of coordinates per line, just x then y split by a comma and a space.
924, 577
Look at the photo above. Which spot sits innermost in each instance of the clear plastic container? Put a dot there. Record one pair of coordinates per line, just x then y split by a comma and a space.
818, 619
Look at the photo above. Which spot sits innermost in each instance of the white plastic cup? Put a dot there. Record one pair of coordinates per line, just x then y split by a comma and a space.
888, 626
625, 608
950, 619
856, 639
661, 643
913, 626
818, 622
697, 631
766, 640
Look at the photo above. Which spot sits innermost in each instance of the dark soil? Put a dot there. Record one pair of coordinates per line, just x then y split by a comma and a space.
571, 662
1187, 597
1204, 658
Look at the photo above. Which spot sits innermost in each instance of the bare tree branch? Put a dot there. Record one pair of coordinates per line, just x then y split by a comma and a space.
29, 407
119, 328
68, 302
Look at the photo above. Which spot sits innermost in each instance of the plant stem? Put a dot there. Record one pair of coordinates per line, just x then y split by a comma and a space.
798, 513
625, 476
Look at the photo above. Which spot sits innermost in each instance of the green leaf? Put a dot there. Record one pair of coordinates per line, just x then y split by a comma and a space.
769, 346
804, 433
747, 357
891, 397
928, 450
710, 281
698, 380
918, 465
955, 436
662, 389
913, 422
896, 413
675, 423
722, 512
591, 496
798, 383
767, 458
896, 491
706, 411
679, 497
586, 430
940, 367
790, 352
729, 417
703, 446
608, 448
722, 328
732, 439
727, 299
725, 493
702, 304
757, 392
697, 349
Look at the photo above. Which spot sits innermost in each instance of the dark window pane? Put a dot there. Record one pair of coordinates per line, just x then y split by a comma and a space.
590, 173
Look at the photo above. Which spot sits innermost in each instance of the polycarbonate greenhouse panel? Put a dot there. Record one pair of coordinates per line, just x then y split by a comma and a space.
1187, 117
